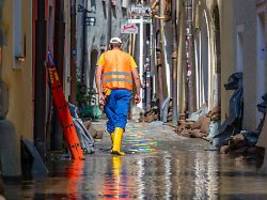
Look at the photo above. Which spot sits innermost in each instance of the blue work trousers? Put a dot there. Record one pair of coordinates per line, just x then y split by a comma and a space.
116, 108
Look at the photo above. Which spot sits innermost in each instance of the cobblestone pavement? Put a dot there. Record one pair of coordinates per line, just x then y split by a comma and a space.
158, 165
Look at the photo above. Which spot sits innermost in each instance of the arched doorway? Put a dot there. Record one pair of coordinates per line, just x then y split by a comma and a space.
204, 63
201, 44
216, 18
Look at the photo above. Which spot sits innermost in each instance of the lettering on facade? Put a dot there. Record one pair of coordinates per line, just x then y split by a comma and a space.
129, 28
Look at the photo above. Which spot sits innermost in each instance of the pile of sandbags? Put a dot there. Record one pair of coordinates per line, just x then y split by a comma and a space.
199, 128
137, 114
96, 134
239, 147
151, 115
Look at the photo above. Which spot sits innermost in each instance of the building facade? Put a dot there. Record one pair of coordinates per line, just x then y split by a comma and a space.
97, 22
28, 30
16, 81
213, 39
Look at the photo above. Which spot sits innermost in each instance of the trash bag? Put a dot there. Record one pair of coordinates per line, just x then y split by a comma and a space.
262, 107
232, 124
252, 137
164, 109
214, 127
86, 140
196, 115
236, 100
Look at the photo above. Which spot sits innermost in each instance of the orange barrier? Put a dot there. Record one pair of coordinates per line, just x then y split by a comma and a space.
63, 112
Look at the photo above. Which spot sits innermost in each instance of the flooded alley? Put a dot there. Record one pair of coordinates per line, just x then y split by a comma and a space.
133, 99
158, 165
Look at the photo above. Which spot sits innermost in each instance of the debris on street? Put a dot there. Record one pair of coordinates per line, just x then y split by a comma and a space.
245, 143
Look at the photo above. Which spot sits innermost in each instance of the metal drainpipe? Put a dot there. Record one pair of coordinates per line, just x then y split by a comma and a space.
175, 15
174, 88
84, 51
148, 86
153, 58
152, 65
40, 93
191, 106
141, 60
109, 22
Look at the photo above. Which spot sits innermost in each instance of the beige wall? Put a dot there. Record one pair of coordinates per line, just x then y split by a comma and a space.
205, 28
18, 76
227, 52
248, 18
240, 20
95, 33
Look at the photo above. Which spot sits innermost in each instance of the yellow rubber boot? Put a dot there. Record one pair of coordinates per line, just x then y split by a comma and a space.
112, 137
116, 148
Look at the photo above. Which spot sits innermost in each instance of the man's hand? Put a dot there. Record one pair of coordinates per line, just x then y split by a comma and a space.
137, 98
101, 96
137, 82
101, 99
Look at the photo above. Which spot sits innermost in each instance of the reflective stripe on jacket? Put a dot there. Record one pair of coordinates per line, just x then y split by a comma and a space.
117, 70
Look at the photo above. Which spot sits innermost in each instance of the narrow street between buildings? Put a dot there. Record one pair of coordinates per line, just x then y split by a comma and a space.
190, 77
159, 165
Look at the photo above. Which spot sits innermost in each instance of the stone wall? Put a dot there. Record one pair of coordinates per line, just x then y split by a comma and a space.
96, 36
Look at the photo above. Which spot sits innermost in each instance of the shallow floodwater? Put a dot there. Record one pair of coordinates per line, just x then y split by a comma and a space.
159, 165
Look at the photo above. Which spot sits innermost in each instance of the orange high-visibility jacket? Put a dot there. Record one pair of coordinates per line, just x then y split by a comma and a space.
117, 69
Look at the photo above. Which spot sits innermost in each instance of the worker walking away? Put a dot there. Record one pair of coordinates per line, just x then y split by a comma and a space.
116, 75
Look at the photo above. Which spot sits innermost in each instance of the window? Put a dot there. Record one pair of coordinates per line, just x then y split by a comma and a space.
125, 3
93, 5
104, 9
124, 12
113, 8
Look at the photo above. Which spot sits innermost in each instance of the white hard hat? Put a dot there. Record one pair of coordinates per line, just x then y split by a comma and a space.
115, 40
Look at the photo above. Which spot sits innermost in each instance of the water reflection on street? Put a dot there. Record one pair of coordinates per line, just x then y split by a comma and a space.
158, 165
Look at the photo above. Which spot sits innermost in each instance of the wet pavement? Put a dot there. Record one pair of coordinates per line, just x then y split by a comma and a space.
159, 165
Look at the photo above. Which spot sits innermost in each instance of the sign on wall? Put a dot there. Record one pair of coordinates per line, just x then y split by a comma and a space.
129, 28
